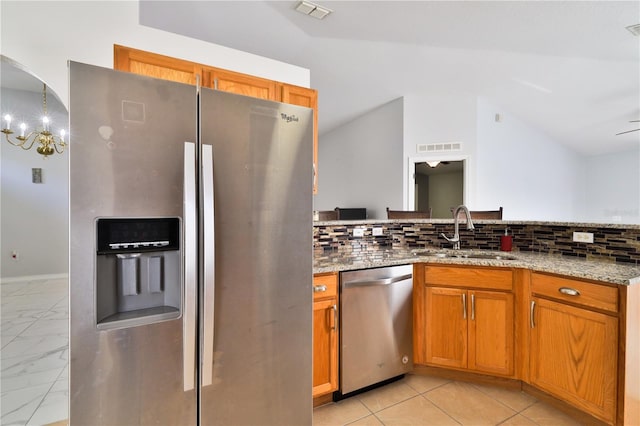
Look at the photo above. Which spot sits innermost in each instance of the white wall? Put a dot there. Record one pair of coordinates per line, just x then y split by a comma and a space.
361, 163
612, 183
85, 31
445, 192
35, 217
521, 169
437, 119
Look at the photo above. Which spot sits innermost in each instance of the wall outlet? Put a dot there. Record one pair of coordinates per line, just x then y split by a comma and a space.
358, 232
377, 232
583, 237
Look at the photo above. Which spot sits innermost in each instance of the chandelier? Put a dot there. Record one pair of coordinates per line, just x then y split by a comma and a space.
47, 142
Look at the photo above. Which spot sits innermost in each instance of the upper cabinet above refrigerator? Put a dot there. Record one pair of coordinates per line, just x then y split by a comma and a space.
174, 69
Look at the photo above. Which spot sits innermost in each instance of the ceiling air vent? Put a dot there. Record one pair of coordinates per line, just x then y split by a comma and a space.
634, 29
438, 147
312, 9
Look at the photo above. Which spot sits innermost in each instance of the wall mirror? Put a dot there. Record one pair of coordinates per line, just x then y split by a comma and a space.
34, 259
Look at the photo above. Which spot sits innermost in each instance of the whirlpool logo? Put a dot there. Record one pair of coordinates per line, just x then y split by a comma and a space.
289, 118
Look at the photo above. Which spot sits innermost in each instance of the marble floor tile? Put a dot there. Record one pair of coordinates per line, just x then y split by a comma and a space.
28, 380
41, 302
48, 327
16, 366
54, 407
18, 406
34, 320
31, 345
12, 327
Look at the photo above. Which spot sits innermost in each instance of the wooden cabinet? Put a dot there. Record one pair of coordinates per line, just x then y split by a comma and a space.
470, 327
325, 333
574, 343
241, 84
305, 97
174, 69
157, 66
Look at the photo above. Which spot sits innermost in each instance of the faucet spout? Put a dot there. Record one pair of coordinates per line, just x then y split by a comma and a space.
456, 226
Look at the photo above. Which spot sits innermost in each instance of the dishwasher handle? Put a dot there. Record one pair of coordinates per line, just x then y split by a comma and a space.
376, 282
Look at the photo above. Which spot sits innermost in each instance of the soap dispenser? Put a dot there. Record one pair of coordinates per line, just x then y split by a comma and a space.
506, 241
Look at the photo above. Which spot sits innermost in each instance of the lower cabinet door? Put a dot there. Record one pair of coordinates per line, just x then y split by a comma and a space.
446, 327
491, 332
573, 356
325, 347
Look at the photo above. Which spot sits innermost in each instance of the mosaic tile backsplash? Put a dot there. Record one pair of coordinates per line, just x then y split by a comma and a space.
614, 243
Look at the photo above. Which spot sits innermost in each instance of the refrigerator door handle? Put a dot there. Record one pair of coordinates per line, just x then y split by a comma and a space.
208, 212
190, 267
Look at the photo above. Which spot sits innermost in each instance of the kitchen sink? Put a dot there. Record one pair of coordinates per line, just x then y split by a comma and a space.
462, 255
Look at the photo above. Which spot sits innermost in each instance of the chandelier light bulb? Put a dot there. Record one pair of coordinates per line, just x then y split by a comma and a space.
46, 143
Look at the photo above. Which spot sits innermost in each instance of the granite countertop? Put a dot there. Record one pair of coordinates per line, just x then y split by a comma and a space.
362, 257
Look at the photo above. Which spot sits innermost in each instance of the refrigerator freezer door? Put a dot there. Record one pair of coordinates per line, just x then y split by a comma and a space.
126, 160
262, 156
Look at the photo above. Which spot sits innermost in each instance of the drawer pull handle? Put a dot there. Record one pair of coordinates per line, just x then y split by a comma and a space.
569, 291
319, 288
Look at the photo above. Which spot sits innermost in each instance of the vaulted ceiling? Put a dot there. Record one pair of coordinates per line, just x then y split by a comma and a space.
569, 68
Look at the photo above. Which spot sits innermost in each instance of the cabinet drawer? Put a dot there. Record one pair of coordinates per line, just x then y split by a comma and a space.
325, 285
456, 276
574, 291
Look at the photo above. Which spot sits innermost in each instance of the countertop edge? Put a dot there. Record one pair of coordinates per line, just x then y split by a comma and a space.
606, 272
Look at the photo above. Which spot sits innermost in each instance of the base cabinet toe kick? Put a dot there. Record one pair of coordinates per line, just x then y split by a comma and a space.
577, 341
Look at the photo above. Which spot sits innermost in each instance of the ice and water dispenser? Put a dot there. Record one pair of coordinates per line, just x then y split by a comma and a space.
138, 276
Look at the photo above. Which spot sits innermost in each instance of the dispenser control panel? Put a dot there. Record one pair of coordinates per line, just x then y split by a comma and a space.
122, 235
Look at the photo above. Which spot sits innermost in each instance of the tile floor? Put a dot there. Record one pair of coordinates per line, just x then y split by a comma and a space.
34, 354
423, 400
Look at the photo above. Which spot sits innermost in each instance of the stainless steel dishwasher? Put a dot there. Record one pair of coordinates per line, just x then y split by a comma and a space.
376, 326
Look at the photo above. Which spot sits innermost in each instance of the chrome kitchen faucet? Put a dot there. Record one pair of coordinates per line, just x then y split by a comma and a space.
456, 235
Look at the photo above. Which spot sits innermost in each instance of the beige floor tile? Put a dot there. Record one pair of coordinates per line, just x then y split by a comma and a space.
515, 399
371, 420
518, 420
381, 398
415, 411
424, 383
546, 415
468, 405
340, 413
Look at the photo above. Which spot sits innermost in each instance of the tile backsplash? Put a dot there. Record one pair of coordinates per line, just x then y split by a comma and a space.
611, 242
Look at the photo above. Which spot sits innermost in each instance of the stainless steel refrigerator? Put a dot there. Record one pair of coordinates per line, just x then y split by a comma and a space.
190, 254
